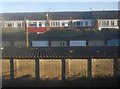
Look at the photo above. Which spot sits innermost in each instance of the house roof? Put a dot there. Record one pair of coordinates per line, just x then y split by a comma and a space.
62, 15
105, 14
34, 36
60, 52
22, 16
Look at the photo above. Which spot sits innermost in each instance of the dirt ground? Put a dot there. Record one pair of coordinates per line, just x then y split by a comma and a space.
52, 69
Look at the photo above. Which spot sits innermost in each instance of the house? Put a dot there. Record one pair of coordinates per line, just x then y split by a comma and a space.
39, 22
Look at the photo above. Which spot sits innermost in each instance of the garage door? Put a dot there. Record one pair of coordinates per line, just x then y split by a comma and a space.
39, 43
77, 43
96, 43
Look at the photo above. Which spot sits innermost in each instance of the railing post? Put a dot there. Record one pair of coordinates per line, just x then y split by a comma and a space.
89, 67
63, 69
37, 76
11, 68
115, 67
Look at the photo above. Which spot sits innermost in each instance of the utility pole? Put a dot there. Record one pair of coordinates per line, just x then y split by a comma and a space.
26, 29
3, 21
48, 22
70, 23
3, 26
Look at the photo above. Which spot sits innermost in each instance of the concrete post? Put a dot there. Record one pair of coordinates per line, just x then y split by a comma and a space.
37, 76
89, 67
11, 68
63, 69
115, 67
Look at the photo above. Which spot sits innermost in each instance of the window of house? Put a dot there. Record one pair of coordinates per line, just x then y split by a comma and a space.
63, 23
56, 24
81, 23
59, 24
19, 25
53, 24
103, 23
107, 23
9, 25
23, 24
32, 24
66, 23
112, 23
86, 23
40, 24
74, 23
78, 23
70, 23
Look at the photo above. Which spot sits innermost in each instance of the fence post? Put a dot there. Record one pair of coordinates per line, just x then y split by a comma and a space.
11, 68
37, 76
49, 43
63, 68
115, 67
89, 67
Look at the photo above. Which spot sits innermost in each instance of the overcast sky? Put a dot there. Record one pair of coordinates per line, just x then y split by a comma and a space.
57, 6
